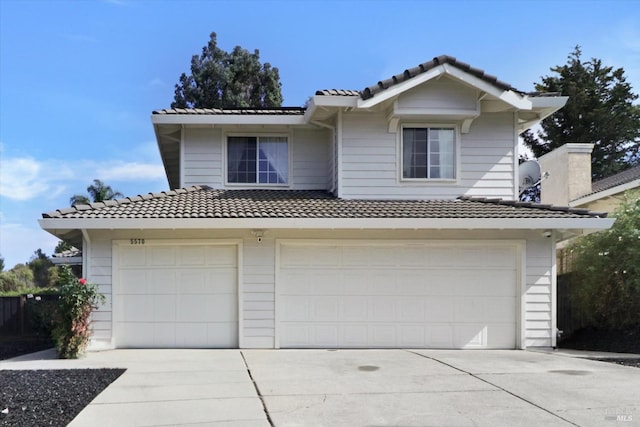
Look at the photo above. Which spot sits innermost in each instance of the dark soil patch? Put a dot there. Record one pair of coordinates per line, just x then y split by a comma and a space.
612, 341
49, 397
13, 347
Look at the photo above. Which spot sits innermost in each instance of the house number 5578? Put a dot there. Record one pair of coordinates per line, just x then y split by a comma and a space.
137, 241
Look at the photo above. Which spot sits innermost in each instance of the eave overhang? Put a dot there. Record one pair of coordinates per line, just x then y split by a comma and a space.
541, 108
66, 224
227, 119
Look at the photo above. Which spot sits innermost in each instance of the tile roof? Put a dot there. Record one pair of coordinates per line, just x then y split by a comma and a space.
228, 111
371, 91
205, 202
621, 178
338, 92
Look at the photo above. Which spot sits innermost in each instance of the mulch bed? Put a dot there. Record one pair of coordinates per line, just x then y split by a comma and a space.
613, 341
46, 397
49, 397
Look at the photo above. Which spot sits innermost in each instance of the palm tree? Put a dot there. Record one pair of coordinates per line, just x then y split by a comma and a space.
98, 191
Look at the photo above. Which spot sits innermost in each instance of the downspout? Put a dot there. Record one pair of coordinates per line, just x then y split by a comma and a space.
516, 158
86, 251
339, 155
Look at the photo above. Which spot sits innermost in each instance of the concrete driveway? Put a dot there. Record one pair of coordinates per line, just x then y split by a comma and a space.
356, 388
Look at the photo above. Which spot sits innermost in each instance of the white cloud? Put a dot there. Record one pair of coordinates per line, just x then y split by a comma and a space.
20, 241
17, 179
128, 171
27, 178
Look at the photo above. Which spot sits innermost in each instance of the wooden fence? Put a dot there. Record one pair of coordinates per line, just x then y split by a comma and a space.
17, 314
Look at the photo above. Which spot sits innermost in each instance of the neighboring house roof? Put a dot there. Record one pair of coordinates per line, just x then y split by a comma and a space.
205, 202
621, 178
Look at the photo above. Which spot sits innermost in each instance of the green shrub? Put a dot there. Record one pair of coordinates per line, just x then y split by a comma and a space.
606, 269
41, 314
72, 325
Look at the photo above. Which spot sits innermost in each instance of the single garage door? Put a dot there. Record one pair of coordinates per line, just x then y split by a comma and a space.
402, 295
176, 296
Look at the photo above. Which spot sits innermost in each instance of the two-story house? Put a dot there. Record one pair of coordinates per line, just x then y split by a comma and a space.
386, 217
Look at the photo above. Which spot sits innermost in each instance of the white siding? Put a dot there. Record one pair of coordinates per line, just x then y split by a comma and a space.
538, 299
371, 165
99, 273
438, 95
310, 159
203, 158
258, 275
202, 162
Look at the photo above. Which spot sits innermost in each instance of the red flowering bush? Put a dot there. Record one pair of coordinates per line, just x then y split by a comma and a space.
72, 325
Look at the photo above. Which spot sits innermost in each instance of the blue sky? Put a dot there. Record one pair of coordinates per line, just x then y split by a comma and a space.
79, 79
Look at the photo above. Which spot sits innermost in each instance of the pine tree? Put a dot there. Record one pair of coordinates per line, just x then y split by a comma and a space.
600, 110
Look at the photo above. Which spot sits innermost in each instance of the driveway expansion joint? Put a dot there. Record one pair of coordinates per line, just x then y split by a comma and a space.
496, 386
255, 385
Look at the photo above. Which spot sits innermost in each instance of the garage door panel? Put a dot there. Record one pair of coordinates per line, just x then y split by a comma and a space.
469, 309
133, 282
354, 335
325, 308
440, 336
176, 296
411, 309
406, 295
382, 335
354, 309
164, 309
161, 256
382, 282
500, 309
498, 335
439, 309
161, 282
132, 256
135, 308
411, 336
470, 336
382, 309
296, 308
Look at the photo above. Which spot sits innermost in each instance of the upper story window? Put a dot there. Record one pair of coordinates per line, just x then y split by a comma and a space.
257, 159
428, 153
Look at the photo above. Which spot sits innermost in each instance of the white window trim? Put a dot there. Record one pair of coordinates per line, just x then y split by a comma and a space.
429, 181
225, 162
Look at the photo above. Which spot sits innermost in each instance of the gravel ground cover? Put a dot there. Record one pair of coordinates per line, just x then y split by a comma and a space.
49, 397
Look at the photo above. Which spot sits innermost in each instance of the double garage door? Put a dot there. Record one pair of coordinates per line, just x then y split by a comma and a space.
337, 295
397, 295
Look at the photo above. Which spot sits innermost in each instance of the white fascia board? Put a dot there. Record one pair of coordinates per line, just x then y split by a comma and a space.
328, 101
605, 193
517, 101
227, 119
399, 88
52, 224
548, 102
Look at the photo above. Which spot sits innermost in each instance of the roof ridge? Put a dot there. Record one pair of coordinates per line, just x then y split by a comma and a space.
409, 73
532, 205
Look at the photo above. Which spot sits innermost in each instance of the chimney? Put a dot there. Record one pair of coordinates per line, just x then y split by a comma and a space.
569, 169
